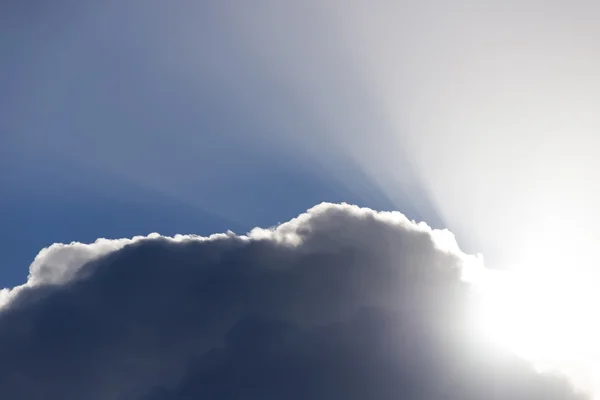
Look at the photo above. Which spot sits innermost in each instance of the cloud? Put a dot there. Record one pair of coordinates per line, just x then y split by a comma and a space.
340, 302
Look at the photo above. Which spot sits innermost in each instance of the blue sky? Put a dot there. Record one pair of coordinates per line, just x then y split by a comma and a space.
113, 128
256, 112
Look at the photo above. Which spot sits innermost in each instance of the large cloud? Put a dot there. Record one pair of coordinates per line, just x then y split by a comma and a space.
340, 302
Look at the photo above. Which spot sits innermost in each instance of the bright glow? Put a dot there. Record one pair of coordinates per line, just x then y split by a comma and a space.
548, 315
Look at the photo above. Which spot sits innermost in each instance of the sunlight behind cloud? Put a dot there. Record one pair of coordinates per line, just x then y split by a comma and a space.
546, 316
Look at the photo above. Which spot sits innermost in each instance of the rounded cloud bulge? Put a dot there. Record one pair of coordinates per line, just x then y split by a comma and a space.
340, 302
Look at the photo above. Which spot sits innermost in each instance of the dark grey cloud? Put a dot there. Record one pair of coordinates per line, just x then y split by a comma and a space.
340, 302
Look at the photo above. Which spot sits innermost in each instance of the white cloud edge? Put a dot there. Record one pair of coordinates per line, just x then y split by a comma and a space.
59, 262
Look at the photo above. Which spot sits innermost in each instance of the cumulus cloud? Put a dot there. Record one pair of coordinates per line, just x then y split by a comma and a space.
341, 302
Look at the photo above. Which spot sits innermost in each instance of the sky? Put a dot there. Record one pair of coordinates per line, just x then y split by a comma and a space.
103, 124
124, 118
